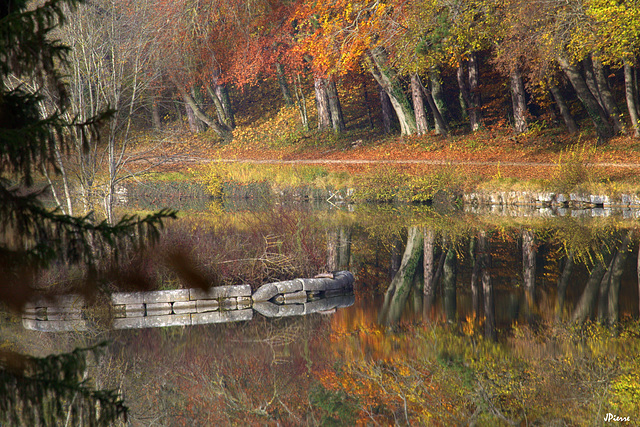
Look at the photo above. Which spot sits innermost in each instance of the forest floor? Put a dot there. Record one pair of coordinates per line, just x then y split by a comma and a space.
487, 155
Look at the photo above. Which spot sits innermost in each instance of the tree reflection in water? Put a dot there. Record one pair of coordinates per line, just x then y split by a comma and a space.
463, 333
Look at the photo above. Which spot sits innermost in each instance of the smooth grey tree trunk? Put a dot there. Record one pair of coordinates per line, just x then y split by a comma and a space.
386, 77
222, 93
441, 125
475, 115
398, 292
475, 276
337, 119
518, 101
613, 306
529, 267
201, 115
590, 79
195, 125
449, 278
487, 287
322, 103
418, 105
572, 127
608, 102
428, 289
629, 91
595, 111
463, 87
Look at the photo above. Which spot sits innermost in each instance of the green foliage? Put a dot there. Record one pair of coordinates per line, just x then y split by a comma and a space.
43, 391
337, 407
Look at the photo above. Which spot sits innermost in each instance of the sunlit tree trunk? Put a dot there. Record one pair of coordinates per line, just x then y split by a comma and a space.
463, 87
595, 111
322, 104
518, 101
487, 287
301, 101
337, 119
572, 127
396, 296
529, 267
428, 289
418, 105
475, 116
195, 125
629, 91
386, 77
441, 125
449, 276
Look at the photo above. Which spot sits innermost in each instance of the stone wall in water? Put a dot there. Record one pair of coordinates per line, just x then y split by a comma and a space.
185, 307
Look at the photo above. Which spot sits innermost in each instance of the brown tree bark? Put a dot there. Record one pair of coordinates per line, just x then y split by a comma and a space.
221, 130
418, 105
463, 87
529, 267
518, 101
437, 92
322, 104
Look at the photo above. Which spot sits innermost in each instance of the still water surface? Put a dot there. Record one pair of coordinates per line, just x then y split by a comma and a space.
520, 320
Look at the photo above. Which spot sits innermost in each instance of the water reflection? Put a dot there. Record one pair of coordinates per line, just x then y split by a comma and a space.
457, 319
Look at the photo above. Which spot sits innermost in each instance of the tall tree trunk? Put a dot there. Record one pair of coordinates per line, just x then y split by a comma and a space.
365, 95
386, 77
418, 105
475, 116
396, 296
449, 276
441, 125
284, 86
608, 102
155, 114
563, 282
219, 129
613, 308
590, 79
428, 288
337, 119
519, 102
344, 248
529, 267
387, 110
322, 103
195, 125
629, 91
475, 276
463, 87
437, 92
301, 100
487, 287
222, 93
596, 113
585, 305
572, 127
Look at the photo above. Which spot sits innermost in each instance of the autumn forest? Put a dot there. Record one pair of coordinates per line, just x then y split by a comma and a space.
417, 66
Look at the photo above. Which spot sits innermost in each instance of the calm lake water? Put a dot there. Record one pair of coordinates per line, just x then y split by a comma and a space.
528, 318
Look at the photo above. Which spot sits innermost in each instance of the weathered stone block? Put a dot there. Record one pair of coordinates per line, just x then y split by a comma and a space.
265, 292
221, 292
266, 308
289, 286
134, 310
244, 302
55, 325
167, 296
128, 298
158, 308
300, 296
221, 316
229, 304
184, 307
207, 305
65, 316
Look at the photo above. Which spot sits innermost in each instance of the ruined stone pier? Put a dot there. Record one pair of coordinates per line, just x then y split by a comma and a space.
186, 307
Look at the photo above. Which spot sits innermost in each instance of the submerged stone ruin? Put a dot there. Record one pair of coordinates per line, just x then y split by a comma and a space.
185, 307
